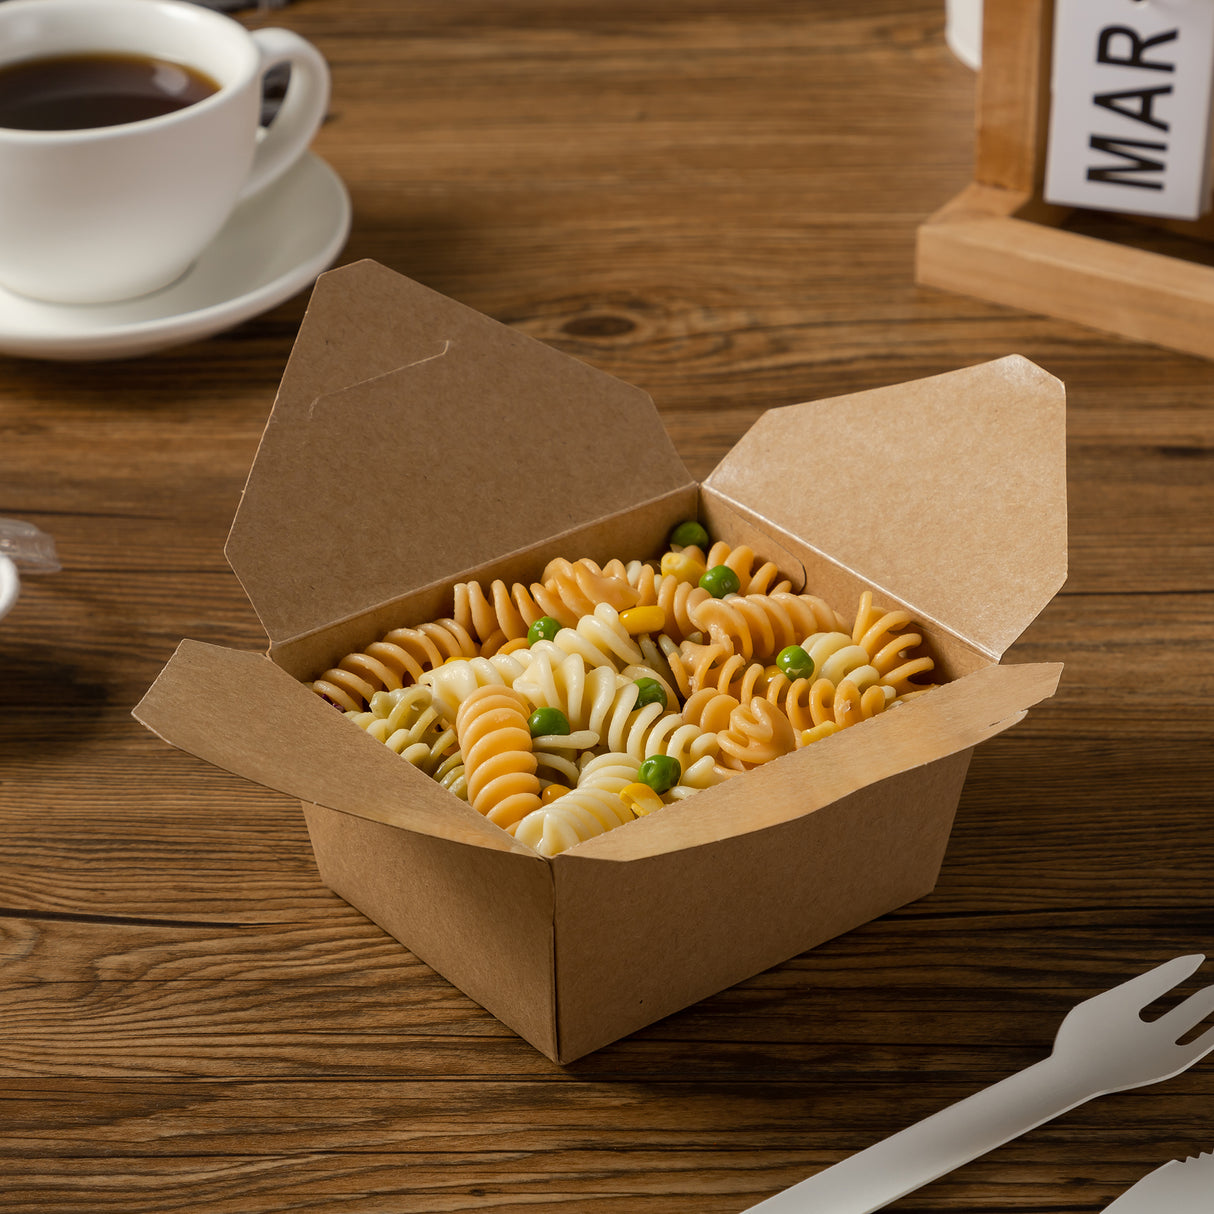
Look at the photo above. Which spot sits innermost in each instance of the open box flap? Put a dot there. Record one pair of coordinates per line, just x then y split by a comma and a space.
237, 710
479, 441
953, 717
948, 493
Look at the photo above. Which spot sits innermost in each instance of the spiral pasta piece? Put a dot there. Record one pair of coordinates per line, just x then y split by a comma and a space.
592, 808
758, 626
666, 734
703, 773
494, 618
888, 648
763, 580
710, 709
836, 658
398, 659
452, 682
450, 773
600, 638
491, 726
697, 666
555, 679
792, 698
846, 689
406, 721
758, 733
582, 585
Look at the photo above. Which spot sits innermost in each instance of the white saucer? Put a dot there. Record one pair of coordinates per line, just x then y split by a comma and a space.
274, 245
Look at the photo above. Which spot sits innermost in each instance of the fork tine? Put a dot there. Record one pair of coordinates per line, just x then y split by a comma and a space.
1198, 1049
1146, 988
1187, 1014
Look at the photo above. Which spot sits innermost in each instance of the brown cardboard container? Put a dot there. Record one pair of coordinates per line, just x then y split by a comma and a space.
415, 443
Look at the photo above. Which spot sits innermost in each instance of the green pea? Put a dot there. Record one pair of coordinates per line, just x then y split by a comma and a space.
544, 629
650, 691
545, 721
719, 581
689, 533
660, 772
795, 662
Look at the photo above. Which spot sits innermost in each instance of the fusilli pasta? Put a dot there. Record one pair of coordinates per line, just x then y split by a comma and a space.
658, 681
491, 725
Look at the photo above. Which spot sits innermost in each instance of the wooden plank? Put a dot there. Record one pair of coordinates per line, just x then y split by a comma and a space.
976, 245
1013, 94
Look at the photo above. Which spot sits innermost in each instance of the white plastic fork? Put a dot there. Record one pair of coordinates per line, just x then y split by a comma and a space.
1103, 1045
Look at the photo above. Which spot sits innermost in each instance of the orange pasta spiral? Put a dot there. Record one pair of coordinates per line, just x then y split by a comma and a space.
695, 667
758, 732
878, 634
763, 580
710, 709
499, 765
397, 660
677, 598
567, 591
496, 617
758, 626
582, 585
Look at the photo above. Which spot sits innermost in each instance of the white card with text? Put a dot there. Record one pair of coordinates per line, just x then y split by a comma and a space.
1131, 90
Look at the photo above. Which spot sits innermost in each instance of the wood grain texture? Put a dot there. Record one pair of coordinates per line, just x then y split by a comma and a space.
716, 202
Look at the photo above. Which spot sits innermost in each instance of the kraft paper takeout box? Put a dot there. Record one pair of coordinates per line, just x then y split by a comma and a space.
414, 443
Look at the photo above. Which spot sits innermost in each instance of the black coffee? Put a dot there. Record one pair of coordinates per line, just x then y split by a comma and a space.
73, 92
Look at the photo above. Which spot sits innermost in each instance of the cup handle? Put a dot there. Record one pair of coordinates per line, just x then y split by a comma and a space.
302, 110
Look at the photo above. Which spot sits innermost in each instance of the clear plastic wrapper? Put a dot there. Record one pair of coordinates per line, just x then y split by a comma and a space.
27, 547
22, 547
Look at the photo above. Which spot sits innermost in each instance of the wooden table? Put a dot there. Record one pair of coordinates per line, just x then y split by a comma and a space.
718, 203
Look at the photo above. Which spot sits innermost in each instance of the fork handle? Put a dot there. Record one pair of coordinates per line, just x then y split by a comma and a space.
957, 1134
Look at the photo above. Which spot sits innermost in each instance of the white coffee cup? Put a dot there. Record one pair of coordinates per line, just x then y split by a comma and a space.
107, 213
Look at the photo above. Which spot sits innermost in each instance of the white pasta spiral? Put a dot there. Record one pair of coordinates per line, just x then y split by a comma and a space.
600, 638
590, 809
452, 682
406, 721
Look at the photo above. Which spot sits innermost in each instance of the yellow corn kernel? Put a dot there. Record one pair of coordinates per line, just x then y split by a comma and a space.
683, 567
640, 798
637, 620
816, 733
551, 792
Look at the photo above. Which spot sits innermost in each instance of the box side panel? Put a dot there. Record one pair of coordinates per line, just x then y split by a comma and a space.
632, 534
481, 919
238, 711
639, 941
952, 718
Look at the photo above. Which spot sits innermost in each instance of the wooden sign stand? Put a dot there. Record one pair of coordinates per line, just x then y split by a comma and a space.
1149, 280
